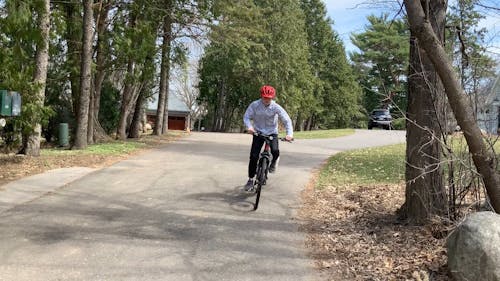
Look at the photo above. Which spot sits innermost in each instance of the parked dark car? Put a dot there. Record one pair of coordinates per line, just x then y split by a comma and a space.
380, 118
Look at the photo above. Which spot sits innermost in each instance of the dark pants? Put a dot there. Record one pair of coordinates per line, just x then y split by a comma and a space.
257, 144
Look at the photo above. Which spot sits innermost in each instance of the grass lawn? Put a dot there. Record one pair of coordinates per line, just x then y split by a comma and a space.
109, 148
322, 134
115, 147
380, 165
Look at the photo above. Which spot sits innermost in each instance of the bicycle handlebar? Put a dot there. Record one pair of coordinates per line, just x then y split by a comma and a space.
258, 134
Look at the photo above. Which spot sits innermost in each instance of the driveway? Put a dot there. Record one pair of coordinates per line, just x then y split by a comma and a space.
174, 213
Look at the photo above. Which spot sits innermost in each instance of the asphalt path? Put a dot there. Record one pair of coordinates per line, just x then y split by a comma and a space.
174, 213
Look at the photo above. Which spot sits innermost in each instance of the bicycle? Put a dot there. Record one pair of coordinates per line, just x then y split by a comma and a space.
263, 165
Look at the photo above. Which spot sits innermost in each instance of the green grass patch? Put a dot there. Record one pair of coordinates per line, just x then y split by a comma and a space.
323, 134
380, 165
109, 148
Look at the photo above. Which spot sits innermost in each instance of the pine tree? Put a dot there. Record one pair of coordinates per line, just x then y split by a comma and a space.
255, 43
336, 92
382, 62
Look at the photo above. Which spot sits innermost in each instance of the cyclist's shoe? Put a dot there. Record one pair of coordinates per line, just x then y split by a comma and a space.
249, 185
272, 168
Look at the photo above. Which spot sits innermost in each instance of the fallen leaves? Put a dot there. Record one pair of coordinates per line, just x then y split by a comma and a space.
354, 234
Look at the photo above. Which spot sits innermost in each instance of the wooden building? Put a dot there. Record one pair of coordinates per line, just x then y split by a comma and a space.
178, 114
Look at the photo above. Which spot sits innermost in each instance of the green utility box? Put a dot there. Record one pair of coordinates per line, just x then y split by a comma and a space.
5, 103
63, 134
10, 103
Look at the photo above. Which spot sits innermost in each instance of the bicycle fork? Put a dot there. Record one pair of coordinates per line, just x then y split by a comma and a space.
265, 156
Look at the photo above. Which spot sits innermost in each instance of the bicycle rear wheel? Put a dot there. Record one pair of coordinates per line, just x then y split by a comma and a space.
261, 178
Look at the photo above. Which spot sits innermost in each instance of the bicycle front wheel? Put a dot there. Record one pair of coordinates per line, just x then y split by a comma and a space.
261, 178
262, 170
257, 196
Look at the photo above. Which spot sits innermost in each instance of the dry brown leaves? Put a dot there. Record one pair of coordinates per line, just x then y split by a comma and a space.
354, 234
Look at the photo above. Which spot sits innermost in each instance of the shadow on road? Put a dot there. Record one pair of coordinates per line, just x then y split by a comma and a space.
236, 198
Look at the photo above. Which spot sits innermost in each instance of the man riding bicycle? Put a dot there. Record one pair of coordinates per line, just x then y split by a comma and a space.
264, 113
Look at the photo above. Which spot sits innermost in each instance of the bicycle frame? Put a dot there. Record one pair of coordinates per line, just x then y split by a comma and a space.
264, 160
262, 166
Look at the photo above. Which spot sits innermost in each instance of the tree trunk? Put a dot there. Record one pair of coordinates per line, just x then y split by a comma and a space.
161, 125
73, 53
425, 191
484, 159
135, 127
221, 108
127, 96
85, 77
98, 133
31, 142
309, 123
91, 120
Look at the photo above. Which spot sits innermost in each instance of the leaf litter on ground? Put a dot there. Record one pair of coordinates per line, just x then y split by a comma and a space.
354, 234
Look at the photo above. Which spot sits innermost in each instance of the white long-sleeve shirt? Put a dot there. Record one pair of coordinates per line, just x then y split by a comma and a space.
265, 118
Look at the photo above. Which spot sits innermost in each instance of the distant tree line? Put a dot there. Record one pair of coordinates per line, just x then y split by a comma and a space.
289, 44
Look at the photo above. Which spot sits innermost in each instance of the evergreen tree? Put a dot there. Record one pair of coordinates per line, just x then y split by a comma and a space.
31, 141
232, 63
382, 62
21, 41
255, 43
336, 92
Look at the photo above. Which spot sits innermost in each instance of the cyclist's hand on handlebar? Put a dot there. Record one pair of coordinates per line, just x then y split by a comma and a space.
288, 138
251, 130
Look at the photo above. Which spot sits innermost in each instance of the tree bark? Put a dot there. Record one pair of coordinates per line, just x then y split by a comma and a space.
484, 159
128, 93
73, 53
135, 127
85, 77
161, 125
425, 191
31, 142
91, 119
101, 20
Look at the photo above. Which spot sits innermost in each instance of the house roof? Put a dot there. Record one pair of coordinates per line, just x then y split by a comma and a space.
175, 104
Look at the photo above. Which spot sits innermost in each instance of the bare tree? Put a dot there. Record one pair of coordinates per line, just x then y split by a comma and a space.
484, 158
185, 85
85, 77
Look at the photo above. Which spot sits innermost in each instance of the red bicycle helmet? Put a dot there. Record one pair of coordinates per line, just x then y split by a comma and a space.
267, 91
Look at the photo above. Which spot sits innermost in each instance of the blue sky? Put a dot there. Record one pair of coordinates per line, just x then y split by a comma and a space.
350, 16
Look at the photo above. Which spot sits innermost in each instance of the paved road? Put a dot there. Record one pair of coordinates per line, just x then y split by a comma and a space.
175, 213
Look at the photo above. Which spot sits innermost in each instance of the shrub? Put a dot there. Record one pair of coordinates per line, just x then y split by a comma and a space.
399, 124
